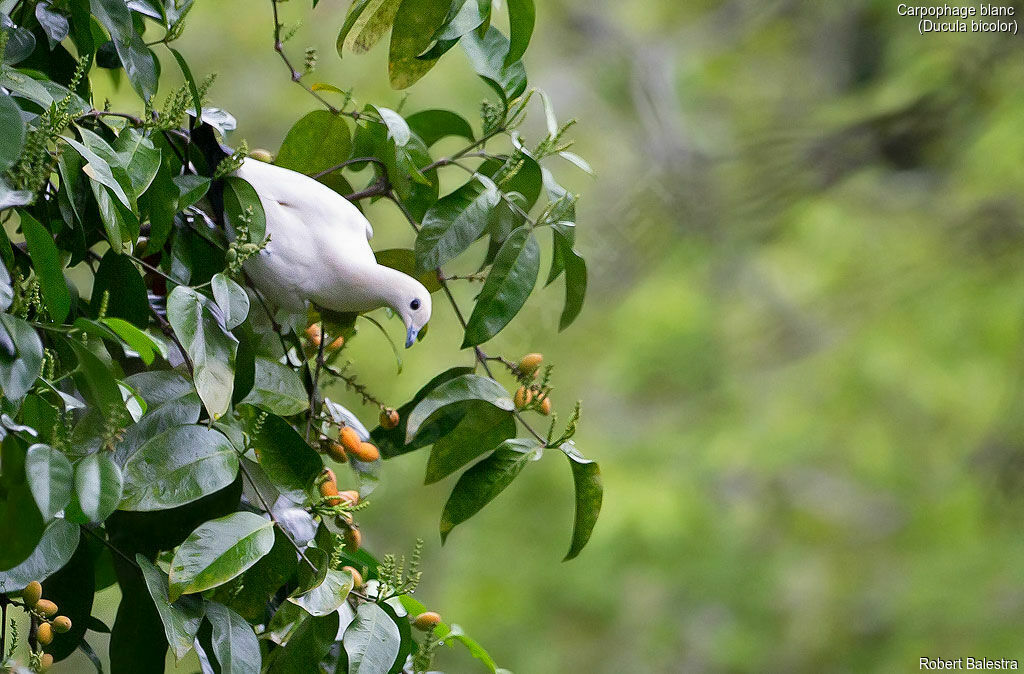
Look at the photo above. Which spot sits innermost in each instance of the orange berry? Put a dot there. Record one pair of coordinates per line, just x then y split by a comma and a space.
389, 418
313, 334
427, 621
32, 593
523, 397
337, 343
529, 363
328, 475
337, 452
353, 539
62, 624
357, 578
545, 406
45, 662
46, 607
368, 452
44, 634
350, 439
329, 490
349, 497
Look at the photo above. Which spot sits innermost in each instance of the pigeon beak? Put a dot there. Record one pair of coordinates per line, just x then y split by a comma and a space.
410, 337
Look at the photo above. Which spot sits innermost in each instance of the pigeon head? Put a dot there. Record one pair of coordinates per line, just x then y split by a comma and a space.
410, 300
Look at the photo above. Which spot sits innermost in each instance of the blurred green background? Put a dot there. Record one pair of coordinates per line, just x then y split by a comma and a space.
800, 358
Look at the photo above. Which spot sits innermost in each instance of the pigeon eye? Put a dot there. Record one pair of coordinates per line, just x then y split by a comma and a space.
414, 305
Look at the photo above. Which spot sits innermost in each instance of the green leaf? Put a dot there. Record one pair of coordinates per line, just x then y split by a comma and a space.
193, 90
51, 479
139, 157
398, 128
480, 484
13, 138
508, 285
416, 21
452, 224
483, 428
575, 278
328, 596
307, 645
192, 188
54, 24
178, 466
55, 548
521, 17
249, 595
315, 143
139, 61
487, 55
19, 372
289, 462
98, 484
21, 524
586, 476
365, 25
277, 388
172, 401
239, 196
182, 618
435, 124
404, 260
210, 347
392, 442
118, 276
99, 171
461, 389
232, 300
372, 641
141, 342
218, 551
234, 643
96, 382
48, 267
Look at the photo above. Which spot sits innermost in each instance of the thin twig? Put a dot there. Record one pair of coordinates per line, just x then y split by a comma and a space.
313, 390
349, 162
113, 548
273, 518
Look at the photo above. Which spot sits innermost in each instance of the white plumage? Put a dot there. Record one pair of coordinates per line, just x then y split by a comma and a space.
319, 252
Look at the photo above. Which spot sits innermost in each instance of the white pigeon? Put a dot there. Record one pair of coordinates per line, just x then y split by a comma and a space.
319, 252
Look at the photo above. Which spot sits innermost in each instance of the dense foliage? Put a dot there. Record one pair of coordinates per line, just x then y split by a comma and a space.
162, 430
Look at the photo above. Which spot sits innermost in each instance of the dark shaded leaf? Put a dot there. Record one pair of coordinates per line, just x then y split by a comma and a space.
452, 224
509, 284
483, 428
13, 138
73, 589
392, 442
127, 299
239, 196
234, 643
461, 389
48, 267
139, 61
180, 619
480, 484
307, 645
586, 476
433, 125
289, 462
54, 24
